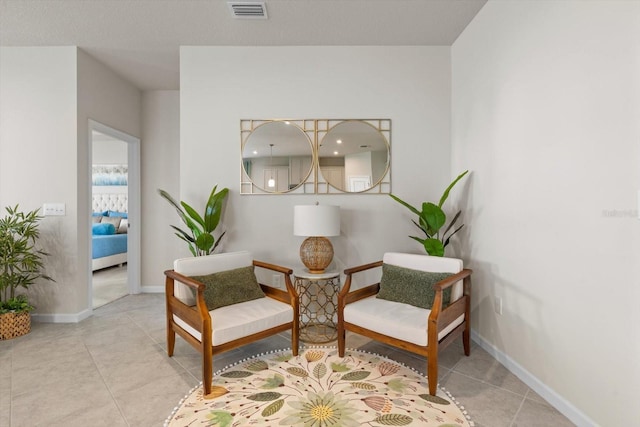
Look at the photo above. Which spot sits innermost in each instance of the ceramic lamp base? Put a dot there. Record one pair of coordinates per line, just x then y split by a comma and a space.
316, 254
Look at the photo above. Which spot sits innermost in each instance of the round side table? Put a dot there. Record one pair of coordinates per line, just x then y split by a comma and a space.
318, 305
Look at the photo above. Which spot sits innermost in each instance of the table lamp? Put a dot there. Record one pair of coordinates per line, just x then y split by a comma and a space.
316, 222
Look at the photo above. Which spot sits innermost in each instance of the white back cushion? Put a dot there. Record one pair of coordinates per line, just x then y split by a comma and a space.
203, 265
428, 263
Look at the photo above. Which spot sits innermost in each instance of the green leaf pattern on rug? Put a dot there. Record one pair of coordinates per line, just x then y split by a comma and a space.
237, 374
220, 418
320, 370
399, 385
257, 366
339, 367
319, 389
434, 399
273, 382
266, 396
273, 408
356, 376
393, 420
298, 372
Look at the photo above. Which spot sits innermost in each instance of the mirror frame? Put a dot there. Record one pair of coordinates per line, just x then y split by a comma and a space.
247, 127
316, 130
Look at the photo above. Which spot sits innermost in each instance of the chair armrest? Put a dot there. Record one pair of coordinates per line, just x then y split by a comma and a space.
199, 317
345, 297
440, 317
288, 297
352, 270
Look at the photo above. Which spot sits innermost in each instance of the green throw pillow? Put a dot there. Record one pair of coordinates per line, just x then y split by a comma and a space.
230, 287
413, 287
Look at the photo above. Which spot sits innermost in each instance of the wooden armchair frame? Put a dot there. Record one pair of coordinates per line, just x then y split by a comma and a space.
198, 317
438, 319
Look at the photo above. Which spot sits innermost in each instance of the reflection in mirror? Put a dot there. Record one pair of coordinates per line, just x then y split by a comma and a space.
353, 156
277, 157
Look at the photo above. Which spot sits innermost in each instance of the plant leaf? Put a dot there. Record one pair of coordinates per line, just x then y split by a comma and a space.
405, 204
433, 217
204, 242
434, 247
273, 382
446, 242
446, 192
192, 213
213, 209
453, 221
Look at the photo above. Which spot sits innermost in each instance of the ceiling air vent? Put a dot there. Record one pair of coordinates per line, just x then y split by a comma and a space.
248, 9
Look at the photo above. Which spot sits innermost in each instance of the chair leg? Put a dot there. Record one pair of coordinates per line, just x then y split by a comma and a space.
295, 341
171, 340
341, 339
465, 342
207, 370
432, 375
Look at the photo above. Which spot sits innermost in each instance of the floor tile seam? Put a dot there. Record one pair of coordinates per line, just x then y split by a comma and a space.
490, 384
115, 401
515, 416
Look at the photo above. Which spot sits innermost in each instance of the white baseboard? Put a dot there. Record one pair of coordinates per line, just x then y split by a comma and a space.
61, 318
561, 404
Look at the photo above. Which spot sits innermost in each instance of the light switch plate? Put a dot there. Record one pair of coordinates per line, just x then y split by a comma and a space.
53, 209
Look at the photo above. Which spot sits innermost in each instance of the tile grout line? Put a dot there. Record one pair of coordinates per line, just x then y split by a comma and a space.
106, 385
515, 416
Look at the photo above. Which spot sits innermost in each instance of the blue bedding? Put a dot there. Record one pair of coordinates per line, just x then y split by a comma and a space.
109, 245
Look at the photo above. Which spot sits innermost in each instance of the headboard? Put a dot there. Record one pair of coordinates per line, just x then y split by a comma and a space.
110, 202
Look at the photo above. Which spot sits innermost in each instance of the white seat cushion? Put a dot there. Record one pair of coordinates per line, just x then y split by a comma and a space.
394, 319
243, 319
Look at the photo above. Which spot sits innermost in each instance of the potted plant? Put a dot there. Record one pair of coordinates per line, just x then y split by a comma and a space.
201, 227
21, 265
431, 219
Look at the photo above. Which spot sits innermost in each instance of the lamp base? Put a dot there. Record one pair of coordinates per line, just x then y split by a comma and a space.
316, 253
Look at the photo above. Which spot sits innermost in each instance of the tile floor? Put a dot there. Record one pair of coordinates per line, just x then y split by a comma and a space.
112, 370
109, 284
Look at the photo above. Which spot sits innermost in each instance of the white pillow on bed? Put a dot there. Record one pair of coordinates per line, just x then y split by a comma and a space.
123, 227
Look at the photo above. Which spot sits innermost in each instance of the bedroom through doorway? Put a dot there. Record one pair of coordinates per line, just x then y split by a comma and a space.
112, 239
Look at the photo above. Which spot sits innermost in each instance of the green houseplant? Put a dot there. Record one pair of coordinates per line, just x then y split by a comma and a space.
201, 227
21, 265
431, 219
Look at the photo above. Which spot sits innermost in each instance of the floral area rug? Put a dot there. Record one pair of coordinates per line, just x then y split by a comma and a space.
318, 389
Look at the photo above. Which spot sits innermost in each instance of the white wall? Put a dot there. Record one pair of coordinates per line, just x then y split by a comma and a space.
222, 85
160, 169
38, 137
109, 152
546, 108
47, 95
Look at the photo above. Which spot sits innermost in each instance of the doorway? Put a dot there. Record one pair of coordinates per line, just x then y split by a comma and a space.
114, 162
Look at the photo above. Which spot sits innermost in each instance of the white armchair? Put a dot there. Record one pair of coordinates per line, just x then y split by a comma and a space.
212, 331
406, 325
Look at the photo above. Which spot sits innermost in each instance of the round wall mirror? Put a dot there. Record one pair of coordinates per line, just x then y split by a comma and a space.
353, 156
277, 156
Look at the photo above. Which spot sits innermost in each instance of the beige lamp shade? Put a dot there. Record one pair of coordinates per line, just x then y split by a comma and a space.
316, 222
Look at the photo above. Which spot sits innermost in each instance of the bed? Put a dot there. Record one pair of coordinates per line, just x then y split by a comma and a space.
109, 230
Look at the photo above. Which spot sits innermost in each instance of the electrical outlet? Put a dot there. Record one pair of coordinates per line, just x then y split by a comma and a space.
498, 305
53, 209
277, 281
